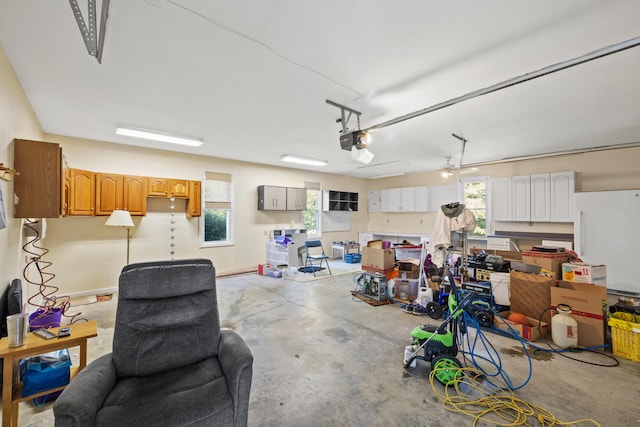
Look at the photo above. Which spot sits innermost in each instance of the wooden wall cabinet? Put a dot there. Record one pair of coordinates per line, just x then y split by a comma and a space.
82, 192
194, 204
166, 187
108, 193
134, 194
39, 187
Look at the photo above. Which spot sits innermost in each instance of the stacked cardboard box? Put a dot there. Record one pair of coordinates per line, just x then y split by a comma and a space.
377, 259
584, 273
588, 307
549, 261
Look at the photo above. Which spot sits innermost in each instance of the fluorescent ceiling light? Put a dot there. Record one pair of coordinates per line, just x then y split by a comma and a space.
387, 175
303, 160
158, 136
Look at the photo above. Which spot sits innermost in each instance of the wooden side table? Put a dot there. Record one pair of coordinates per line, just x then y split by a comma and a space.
34, 345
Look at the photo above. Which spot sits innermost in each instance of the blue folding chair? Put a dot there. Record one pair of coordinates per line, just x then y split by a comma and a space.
315, 254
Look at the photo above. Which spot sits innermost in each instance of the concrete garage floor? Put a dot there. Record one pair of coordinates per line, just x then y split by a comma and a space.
324, 358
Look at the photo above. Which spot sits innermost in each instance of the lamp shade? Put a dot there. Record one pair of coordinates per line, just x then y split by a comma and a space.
119, 218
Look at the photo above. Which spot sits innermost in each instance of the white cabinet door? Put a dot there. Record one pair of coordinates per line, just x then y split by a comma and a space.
407, 199
272, 198
375, 201
521, 192
562, 196
296, 199
421, 199
391, 200
540, 198
501, 202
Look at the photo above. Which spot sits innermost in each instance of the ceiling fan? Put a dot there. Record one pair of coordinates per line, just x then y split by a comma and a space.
447, 170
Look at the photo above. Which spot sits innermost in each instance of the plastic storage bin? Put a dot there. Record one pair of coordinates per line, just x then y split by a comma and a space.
625, 335
352, 258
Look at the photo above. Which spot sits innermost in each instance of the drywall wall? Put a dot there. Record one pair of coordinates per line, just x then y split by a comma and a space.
17, 120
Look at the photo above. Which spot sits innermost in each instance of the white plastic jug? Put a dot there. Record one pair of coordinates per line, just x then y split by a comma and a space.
425, 295
564, 328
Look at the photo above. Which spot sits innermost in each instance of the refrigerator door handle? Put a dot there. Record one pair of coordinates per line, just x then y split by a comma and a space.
580, 234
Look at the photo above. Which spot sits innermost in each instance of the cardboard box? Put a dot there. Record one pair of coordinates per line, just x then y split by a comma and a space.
530, 295
549, 261
409, 269
584, 273
377, 259
531, 332
588, 307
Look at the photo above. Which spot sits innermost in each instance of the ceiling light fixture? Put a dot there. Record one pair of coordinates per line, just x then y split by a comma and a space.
303, 160
158, 136
389, 175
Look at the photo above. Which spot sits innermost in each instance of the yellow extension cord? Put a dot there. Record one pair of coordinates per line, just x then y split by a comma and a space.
494, 404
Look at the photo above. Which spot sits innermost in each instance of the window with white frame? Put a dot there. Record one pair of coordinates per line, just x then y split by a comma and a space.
473, 193
217, 212
311, 216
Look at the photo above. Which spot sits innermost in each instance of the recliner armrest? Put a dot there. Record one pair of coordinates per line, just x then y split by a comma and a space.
236, 360
83, 397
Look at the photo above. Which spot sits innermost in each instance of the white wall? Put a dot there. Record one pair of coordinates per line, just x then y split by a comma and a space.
17, 120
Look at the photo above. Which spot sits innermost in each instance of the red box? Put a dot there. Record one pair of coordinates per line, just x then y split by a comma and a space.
263, 269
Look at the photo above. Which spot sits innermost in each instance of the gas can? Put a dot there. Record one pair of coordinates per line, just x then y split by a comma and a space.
564, 328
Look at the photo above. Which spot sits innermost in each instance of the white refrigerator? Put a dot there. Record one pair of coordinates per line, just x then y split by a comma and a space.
607, 231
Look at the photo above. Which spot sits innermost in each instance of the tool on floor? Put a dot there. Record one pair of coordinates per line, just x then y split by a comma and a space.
440, 343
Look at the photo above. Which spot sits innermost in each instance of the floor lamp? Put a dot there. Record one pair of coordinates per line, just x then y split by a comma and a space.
120, 218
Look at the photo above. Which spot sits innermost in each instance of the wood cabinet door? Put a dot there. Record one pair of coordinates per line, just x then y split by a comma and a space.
38, 187
108, 193
178, 188
81, 192
134, 197
194, 205
158, 187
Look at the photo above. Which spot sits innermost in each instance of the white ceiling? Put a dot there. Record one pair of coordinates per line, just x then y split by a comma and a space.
251, 77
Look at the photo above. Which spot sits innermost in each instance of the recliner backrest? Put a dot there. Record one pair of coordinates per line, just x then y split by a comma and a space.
167, 316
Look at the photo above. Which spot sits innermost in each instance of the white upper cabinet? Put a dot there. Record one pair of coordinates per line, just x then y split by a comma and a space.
547, 197
375, 201
562, 196
521, 197
392, 200
501, 202
296, 199
407, 199
421, 199
540, 198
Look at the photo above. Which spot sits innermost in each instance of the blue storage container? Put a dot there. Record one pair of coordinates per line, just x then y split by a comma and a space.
352, 258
